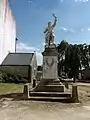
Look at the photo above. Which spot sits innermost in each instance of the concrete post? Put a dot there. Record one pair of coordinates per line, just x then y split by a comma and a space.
34, 82
66, 85
74, 93
26, 91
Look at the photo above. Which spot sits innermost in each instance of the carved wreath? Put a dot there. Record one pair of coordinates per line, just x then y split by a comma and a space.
49, 64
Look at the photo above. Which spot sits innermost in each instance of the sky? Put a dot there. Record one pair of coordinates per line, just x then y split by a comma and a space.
32, 16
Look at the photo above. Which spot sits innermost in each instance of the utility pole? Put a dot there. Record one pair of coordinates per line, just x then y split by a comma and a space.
16, 44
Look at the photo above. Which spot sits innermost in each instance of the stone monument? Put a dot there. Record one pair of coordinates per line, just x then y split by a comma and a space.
50, 87
50, 54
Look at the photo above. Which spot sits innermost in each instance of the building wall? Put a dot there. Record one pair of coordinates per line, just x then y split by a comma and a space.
7, 30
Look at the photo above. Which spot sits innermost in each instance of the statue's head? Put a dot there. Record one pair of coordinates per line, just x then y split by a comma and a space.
49, 23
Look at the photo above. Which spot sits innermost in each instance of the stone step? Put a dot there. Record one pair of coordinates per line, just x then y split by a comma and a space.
51, 94
52, 99
56, 81
49, 88
55, 84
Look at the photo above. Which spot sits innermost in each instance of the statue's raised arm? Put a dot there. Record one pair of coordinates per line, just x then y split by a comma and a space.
55, 20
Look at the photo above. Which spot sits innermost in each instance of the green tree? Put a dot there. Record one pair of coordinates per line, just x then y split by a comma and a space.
61, 48
72, 58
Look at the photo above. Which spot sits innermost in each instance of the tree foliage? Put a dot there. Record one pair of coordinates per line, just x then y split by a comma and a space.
72, 58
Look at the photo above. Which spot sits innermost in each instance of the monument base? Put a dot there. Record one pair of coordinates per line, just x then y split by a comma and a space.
54, 92
50, 88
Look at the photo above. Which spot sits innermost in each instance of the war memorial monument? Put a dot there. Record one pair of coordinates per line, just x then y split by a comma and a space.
50, 88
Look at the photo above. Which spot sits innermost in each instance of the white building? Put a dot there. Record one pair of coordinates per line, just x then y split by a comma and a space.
7, 30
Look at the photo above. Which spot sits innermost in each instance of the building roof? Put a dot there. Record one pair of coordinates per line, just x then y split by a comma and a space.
18, 59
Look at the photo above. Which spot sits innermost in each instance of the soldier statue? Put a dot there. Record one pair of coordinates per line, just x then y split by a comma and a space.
49, 32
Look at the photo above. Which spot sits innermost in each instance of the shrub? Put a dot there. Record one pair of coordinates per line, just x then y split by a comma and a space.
9, 78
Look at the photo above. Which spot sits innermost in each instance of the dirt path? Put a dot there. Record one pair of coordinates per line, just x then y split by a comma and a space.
33, 110
26, 110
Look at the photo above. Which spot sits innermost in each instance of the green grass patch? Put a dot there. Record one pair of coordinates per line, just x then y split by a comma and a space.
10, 88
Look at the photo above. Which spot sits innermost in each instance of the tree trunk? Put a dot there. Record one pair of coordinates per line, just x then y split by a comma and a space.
74, 78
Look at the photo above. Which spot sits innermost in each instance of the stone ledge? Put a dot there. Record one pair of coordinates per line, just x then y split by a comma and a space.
49, 88
51, 94
52, 99
50, 52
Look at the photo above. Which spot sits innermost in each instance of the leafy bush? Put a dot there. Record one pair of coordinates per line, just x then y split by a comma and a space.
8, 78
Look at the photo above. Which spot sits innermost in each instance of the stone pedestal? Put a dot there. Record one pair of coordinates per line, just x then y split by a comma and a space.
50, 88
50, 81
50, 60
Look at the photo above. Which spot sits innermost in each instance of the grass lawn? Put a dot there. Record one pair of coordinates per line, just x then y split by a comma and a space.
11, 88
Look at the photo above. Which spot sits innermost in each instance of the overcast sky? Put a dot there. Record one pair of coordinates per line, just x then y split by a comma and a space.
31, 17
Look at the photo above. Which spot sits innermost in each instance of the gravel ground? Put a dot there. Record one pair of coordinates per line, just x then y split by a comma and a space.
26, 110
34, 110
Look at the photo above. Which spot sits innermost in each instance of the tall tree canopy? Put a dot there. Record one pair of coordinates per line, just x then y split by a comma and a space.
72, 58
